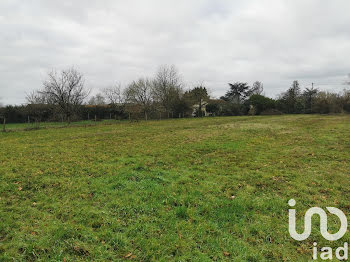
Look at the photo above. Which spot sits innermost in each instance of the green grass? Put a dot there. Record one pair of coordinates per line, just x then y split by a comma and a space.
212, 189
30, 126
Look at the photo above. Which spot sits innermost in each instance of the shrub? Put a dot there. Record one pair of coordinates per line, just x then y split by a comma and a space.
261, 103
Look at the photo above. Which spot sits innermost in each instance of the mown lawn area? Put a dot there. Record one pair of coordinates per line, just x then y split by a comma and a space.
211, 189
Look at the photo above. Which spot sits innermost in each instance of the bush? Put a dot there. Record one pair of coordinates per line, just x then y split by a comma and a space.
327, 103
261, 103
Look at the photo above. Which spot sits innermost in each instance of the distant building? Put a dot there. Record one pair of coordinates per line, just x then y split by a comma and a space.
195, 109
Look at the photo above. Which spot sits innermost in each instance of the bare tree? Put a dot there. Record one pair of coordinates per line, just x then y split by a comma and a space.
66, 90
113, 95
257, 88
115, 99
97, 100
140, 92
36, 107
167, 87
35, 97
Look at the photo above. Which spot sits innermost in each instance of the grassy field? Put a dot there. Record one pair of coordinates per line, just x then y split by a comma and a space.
31, 126
213, 189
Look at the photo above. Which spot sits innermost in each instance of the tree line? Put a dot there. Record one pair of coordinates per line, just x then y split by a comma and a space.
64, 97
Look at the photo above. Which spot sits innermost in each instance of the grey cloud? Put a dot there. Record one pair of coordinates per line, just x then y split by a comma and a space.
214, 42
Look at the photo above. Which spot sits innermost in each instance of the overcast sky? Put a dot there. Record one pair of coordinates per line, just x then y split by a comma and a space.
210, 41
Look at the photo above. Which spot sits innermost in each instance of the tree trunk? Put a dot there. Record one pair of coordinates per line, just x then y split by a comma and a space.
146, 116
